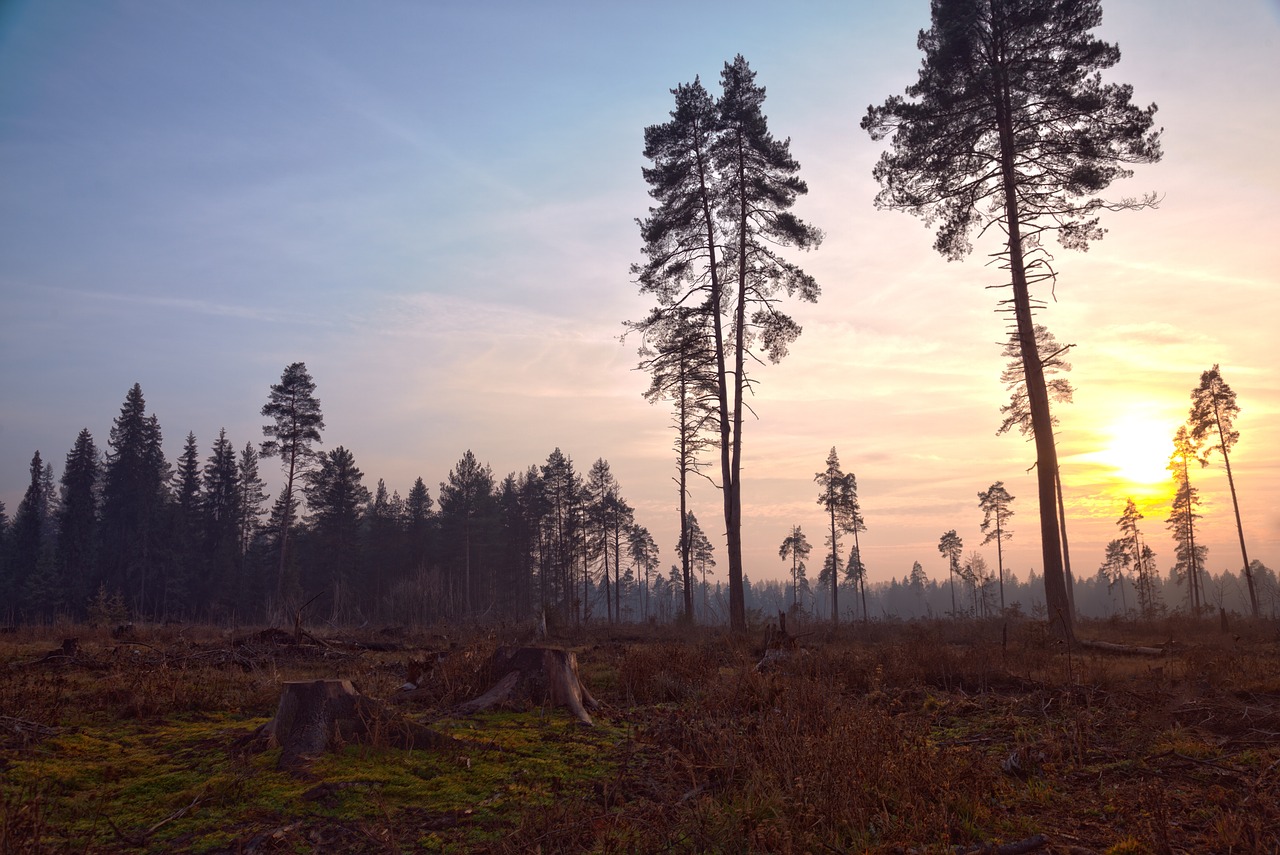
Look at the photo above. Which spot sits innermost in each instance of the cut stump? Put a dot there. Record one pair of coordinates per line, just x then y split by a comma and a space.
538, 675
315, 716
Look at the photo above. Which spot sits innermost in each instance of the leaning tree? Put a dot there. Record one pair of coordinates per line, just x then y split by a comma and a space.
1213, 414
1010, 126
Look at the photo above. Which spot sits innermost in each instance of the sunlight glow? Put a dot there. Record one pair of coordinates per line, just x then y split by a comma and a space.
1138, 449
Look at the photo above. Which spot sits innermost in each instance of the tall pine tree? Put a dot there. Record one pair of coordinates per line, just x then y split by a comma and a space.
296, 422
1010, 126
725, 187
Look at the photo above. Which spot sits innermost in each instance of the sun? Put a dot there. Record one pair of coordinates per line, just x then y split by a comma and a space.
1138, 449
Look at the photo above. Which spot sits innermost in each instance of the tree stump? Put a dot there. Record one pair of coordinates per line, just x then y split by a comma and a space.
537, 674
315, 716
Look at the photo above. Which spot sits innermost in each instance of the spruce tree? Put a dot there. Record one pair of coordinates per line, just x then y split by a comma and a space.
186, 563
28, 544
420, 522
134, 497
336, 497
252, 496
221, 514
78, 520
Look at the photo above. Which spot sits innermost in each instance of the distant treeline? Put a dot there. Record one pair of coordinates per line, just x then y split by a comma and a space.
1096, 596
125, 535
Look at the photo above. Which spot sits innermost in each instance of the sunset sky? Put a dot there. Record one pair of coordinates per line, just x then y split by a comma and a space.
433, 204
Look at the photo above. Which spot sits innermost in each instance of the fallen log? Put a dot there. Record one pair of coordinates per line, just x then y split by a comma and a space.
1111, 647
315, 716
540, 675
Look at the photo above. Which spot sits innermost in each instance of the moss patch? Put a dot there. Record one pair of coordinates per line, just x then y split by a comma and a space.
181, 783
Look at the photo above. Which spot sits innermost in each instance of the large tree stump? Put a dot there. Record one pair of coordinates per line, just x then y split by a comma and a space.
537, 674
315, 716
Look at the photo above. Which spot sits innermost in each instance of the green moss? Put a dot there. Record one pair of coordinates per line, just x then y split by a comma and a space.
119, 781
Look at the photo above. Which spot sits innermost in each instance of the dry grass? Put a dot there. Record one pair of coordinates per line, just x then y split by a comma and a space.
883, 738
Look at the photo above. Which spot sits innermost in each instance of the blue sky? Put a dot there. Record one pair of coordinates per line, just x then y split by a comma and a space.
432, 205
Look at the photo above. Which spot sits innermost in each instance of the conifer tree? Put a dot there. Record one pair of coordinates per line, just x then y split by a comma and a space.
419, 521
335, 499
839, 499
1188, 556
1141, 556
725, 187
78, 520
602, 488
383, 526
678, 355
134, 496
951, 545
561, 488
1017, 413
29, 543
1115, 566
466, 502
796, 547
221, 515
644, 555
701, 552
253, 494
994, 503
186, 530
296, 422
1010, 125
1213, 414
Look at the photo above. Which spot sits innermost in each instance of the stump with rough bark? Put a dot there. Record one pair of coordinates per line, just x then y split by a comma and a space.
540, 675
315, 716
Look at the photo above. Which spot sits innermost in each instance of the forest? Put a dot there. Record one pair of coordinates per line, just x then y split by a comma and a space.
122, 534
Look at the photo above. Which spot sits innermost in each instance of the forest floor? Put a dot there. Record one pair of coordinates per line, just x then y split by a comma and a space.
924, 737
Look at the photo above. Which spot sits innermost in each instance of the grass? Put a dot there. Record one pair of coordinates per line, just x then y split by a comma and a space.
887, 738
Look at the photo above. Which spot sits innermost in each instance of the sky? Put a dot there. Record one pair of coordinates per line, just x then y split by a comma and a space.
433, 205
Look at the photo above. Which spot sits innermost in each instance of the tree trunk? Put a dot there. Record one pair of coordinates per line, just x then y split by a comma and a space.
1235, 504
540, 675
1055, 588
1066, 552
